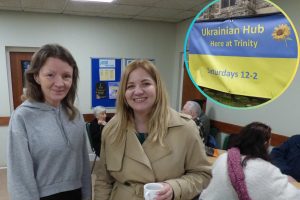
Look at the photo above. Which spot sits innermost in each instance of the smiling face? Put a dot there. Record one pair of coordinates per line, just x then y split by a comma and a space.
140, 91
55, 78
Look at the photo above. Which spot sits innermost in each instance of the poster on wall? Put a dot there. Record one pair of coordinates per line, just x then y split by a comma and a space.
113, 89
101, 90
106, 75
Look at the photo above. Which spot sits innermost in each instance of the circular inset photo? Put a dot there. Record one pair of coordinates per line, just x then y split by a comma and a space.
241, 53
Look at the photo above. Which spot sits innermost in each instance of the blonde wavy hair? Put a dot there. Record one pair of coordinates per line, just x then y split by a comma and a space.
159, 115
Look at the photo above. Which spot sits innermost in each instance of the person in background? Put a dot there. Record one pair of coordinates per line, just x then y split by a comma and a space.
147, 141
96, 127
47, 151
202, 121
287, 157
245, 172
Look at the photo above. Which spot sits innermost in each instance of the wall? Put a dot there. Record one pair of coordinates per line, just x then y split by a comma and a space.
89, 37
181, 30
282, 114
85, 37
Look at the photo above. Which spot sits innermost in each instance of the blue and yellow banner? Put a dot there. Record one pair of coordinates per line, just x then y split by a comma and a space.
249, 56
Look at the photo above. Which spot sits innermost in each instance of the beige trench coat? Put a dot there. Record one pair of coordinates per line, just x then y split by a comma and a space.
123, 169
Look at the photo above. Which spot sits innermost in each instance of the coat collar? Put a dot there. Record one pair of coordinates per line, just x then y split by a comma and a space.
148, 152
176, 118
134, 149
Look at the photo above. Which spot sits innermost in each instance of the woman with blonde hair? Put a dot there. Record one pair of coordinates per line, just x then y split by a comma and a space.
147, 141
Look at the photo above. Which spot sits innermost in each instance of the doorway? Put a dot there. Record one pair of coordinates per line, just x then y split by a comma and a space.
190, 92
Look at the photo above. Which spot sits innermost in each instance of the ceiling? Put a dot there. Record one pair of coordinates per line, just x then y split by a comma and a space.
154, 10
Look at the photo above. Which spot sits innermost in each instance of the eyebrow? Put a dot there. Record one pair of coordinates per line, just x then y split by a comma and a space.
144, 80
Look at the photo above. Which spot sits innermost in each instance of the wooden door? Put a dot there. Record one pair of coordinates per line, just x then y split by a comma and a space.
189, 91
19, 61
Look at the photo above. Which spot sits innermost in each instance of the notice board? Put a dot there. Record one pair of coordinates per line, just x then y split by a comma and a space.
106, 75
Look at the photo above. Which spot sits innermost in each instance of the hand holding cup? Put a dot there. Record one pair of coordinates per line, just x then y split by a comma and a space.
158, 191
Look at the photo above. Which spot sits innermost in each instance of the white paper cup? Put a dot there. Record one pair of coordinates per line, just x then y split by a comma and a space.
150, 190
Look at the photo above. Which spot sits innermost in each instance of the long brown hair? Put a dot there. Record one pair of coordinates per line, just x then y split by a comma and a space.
253, 141
158, 122
34, 91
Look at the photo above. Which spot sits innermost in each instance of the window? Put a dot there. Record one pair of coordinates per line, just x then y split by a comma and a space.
227, 3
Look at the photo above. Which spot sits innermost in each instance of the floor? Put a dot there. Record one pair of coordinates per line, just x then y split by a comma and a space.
3, 185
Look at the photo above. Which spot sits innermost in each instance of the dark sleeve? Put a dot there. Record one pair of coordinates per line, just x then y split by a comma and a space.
279, 157
96, 130
207, 126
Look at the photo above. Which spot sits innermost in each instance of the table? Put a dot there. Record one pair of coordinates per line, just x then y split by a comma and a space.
212, 159
296, 184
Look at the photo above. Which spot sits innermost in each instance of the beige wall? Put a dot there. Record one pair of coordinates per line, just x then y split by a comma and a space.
85, 37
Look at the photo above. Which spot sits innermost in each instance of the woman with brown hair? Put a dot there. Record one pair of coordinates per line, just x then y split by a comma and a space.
245, 172
47, 152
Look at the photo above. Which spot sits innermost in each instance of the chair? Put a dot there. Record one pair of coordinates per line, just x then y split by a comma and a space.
211, 138
87, 126
225, 143
228, 141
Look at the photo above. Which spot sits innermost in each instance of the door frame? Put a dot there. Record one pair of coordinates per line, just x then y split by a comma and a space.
8, 50
181, 74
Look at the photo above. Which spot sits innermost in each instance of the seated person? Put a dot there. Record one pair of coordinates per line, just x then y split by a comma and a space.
244, 172
96, 127
193, 109
287, 157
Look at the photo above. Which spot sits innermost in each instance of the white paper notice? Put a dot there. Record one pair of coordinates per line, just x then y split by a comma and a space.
104, 63
107, 74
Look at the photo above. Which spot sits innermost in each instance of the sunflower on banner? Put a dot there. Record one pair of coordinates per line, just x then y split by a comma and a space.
282, 32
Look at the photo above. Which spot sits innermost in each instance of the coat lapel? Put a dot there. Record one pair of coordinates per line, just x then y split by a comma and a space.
149, 152
134, 149
155, 151
114, 155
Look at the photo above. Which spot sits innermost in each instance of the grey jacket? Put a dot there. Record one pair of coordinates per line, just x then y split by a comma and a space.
47, 153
